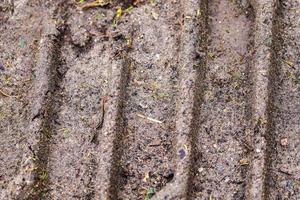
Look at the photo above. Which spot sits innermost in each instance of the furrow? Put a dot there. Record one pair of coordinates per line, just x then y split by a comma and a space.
136, 99
20, 133
262, 72
191, 66
88, 124
149, 111
222, 135
110, 140
44, 89
284, 170
78, 108
82, 162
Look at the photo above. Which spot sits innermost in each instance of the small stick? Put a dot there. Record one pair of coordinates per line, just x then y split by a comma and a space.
149, 118
4, 94
94, 4
100, 124
103, 101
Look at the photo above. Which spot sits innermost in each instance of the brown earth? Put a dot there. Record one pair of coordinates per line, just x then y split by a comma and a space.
150, 99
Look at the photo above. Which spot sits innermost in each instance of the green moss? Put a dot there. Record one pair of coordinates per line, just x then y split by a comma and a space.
150, 193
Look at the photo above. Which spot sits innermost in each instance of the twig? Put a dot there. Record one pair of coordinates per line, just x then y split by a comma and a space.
98, 3
100, 124
4, 93
149, 118
103, 101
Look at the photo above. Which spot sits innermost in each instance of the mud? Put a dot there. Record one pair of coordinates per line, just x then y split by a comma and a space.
148, 100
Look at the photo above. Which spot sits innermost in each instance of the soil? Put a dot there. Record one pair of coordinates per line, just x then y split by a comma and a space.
153, 99
224, 114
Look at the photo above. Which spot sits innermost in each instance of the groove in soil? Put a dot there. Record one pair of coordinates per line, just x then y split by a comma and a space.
190, 100
223, 130
88, 123
284, 170
47, 80
191, 68
75, 160
18, 132
111, 147
149, 110
261, 108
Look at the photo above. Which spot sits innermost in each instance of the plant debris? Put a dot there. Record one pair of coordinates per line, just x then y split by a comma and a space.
150, 193
97, 3
244, 162
4, 93
149, 118
146, 177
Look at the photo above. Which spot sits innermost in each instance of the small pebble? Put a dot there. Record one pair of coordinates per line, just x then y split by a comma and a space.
182, 153
155, 15
201, 169
244, 161
284, 142
227, 179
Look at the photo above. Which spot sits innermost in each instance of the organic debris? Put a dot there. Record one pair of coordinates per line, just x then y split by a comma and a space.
149, 118
118, 15
103, 101
146, 177
4, 93
150, 193
244, 162
97, 3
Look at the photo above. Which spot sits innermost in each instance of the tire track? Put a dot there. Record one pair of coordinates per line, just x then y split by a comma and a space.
263, 76
224, 118
231, 94
284, 181
88, 125
109, 152
46, 81
150, 102
78, 167
191, 72
18, 56
190, 100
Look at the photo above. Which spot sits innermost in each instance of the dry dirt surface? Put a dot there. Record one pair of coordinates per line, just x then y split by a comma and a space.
149, 99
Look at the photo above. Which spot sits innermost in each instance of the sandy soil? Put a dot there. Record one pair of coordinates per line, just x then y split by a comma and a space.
149, 99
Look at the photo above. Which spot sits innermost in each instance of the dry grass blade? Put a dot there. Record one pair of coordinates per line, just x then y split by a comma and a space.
149, 118
4, 93
97, 3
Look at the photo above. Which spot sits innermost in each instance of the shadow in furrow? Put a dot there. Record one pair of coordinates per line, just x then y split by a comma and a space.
282, 170
192, 58
223, 116
263, 78
47, 81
